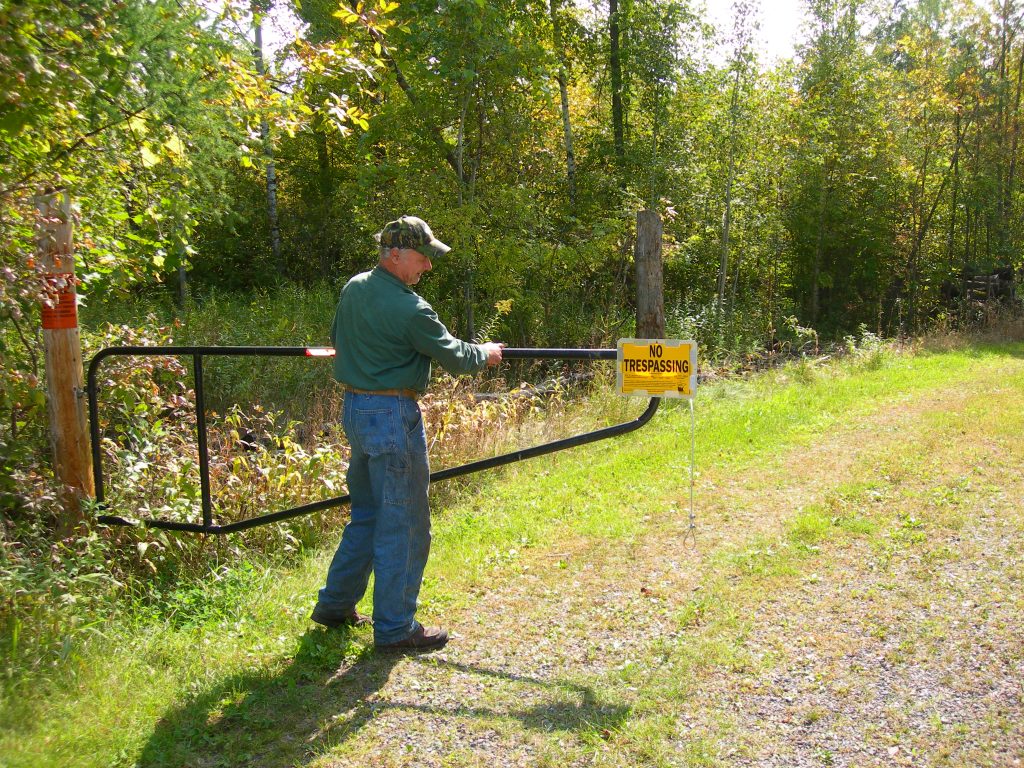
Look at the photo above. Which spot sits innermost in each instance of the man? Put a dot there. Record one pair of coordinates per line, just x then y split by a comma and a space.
385, 337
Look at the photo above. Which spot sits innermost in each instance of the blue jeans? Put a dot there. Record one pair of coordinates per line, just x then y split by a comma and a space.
389, 530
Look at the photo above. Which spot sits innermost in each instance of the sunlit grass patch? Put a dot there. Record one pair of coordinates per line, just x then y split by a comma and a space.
855, 524
810, 527
764, 558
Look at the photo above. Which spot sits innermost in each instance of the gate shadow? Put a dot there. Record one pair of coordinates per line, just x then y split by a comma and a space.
325, 696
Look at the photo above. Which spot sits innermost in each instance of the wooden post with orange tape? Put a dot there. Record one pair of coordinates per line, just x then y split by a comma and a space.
69, 433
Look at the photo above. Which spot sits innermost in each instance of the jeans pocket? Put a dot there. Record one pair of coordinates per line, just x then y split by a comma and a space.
412, 418
397, 479
374, 430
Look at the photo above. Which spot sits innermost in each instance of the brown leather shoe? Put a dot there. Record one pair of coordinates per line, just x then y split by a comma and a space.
334, 619
423, 639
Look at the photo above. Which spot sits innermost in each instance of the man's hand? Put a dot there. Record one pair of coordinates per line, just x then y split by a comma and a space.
493, 350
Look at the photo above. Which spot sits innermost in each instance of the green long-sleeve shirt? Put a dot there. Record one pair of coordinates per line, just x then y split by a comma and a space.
385, 336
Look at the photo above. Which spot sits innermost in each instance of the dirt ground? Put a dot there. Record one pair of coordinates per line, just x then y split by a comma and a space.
894, 638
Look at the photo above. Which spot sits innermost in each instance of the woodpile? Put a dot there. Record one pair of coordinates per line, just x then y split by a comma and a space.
999, 285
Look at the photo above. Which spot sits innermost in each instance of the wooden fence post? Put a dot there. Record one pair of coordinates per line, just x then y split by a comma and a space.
69, 435
650, 293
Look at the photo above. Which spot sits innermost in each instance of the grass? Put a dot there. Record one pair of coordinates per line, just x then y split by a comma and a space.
289, 316
236, 677
788, 562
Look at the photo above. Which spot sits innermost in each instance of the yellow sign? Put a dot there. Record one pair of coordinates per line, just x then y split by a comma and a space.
657, 368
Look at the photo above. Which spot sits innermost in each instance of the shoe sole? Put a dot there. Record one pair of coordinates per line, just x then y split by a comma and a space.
410, 648
405, 645
340, 623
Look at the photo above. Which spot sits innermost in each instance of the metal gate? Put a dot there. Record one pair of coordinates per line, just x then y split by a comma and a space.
199, 353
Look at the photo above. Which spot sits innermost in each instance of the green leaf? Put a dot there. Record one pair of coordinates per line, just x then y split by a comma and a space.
138, 125
14, 121
174, 146
149, 157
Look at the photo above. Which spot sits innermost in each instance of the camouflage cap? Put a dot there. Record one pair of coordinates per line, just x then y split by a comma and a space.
411, 232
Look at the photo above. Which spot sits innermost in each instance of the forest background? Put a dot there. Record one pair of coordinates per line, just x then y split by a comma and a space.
841, 187
223, 195
835, 190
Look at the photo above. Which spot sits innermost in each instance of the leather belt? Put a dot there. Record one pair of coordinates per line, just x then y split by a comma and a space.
412, 394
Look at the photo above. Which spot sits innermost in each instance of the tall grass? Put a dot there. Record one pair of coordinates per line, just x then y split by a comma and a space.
290, 316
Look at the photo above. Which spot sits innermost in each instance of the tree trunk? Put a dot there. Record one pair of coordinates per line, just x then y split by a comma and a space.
69, 434
181, 297
467, 297
925, 219
1004, 144
478, 156
615, 65
973, 212
650, 298
723, 265
563, 91
268, 150
953, 203
396, 70
1011, 174
819, 248
920, 226
327, 255
736, 280
460, 142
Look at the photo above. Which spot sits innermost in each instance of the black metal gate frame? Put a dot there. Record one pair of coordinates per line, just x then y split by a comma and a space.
198, 353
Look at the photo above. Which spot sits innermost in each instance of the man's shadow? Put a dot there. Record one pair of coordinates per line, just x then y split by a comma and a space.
324, 696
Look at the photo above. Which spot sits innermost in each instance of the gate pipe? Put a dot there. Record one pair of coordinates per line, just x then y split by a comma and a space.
197, 353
